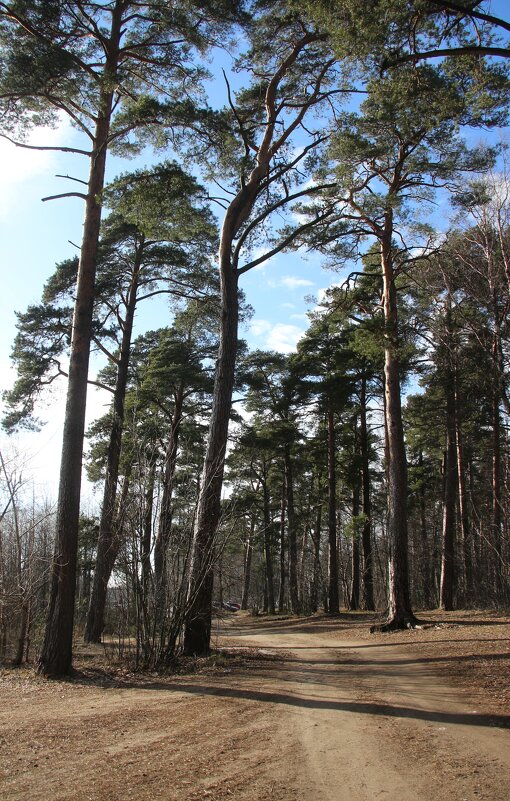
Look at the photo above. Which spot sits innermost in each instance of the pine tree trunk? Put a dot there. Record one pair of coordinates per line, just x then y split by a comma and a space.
165, 516
197, 633
446, 593
292, 536
333, 597
366, 536
267, 551
56, 654
248, 553
400, 614
283, 514
355, 572
57, 649
314, 594
496, 492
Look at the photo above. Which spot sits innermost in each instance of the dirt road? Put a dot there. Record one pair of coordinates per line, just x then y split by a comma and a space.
374, 723
316, 713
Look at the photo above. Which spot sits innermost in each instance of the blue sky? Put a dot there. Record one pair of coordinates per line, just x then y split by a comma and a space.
35, 235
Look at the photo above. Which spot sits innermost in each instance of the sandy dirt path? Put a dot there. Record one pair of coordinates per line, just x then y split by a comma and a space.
318, 716
377, 723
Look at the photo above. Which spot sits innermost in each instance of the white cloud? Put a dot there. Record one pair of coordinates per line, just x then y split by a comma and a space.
288, 305
291, 282
20, 165
284, 337
259, 327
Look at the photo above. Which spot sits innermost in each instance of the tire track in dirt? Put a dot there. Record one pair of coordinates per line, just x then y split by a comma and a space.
378, 723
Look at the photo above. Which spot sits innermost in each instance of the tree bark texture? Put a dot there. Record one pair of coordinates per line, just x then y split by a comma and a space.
333, 595
447, 585
56, 654
292, 536
400, 614
366, 536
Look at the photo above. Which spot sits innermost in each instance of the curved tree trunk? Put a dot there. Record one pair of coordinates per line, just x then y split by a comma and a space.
197, 633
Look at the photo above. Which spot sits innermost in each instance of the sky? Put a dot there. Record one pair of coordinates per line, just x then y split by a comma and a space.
35, 235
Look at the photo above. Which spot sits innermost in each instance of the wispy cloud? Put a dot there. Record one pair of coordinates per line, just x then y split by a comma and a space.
20, 165
291, 282
259, 327
282, 337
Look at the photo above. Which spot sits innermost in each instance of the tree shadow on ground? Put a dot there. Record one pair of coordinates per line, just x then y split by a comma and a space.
356, 707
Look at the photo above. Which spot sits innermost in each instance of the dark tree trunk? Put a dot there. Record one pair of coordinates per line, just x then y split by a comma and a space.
57, 649
463, 510
198, 622
107, 548
496, 490
366, 536
248, 553
333, 599
165, 517
292, 536
268, 551
355, 582
56, 654
400, 614
283, 515
426, 562
316, 579
146, 538
446, 593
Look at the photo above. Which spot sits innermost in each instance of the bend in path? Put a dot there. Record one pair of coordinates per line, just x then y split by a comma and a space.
374, 722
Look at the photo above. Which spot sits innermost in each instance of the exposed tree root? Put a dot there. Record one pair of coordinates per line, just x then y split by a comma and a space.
400, 623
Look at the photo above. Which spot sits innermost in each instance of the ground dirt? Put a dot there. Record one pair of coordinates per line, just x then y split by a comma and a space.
313, 709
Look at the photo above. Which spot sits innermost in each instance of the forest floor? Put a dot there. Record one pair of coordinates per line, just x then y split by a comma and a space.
311, 709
